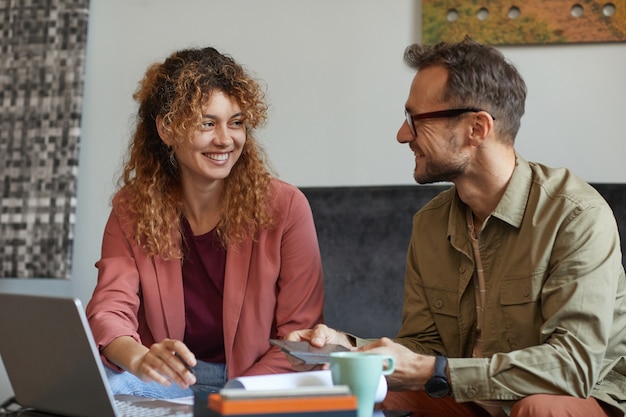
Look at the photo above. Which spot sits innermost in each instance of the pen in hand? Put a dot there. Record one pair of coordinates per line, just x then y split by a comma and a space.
180, 358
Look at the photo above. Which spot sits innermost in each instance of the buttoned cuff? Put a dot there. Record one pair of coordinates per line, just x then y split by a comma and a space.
469, 378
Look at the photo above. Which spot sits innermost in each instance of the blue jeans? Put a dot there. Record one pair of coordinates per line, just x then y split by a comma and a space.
210, 377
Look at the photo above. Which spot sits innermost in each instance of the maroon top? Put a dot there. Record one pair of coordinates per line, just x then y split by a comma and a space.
203, 282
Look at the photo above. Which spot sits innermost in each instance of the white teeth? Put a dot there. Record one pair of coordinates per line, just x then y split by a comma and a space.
217, 156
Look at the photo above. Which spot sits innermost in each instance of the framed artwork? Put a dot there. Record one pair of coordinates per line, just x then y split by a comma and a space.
42, 60
529, 22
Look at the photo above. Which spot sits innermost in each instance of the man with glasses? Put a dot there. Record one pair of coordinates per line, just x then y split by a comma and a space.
515, 294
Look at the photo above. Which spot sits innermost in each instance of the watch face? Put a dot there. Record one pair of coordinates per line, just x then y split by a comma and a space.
437, 387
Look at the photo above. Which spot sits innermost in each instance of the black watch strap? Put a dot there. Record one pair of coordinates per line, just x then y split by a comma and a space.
438, 385
441, 363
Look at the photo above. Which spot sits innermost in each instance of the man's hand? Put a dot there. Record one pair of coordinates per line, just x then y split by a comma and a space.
412, 370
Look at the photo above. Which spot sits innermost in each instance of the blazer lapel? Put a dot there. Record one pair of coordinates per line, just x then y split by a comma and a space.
169, 280
235, 283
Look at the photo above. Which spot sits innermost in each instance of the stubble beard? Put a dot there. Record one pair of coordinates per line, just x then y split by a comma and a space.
442, 171
445, 169
441, 174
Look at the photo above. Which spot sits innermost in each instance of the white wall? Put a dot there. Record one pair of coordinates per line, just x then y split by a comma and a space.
336, 86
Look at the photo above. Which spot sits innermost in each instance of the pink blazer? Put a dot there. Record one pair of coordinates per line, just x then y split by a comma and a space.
273, 285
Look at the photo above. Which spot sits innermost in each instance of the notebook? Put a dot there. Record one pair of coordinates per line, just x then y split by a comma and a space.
54, 366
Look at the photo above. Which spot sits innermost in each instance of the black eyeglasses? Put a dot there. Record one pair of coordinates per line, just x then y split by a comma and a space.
411, 119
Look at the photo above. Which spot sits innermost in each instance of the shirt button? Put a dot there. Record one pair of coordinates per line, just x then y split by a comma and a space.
526, 292
462, 269
438, 303
470, 392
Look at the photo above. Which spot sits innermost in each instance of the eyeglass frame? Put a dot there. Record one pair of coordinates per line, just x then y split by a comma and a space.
439, 114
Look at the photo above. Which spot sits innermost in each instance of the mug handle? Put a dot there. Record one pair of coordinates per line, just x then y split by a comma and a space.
390, 365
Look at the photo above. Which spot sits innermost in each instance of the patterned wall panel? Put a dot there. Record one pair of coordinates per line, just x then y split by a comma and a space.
42, 60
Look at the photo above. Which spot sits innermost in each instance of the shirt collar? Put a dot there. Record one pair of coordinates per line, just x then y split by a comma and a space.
512, 205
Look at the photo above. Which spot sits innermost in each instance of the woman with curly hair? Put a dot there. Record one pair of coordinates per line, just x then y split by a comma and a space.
205, 255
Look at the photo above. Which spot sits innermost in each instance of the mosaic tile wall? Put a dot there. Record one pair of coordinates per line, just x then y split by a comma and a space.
42, 60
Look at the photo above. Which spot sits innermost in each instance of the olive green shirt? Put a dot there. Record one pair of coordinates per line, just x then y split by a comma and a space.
555, 305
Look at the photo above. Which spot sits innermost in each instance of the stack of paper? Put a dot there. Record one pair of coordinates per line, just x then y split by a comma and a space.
289, 380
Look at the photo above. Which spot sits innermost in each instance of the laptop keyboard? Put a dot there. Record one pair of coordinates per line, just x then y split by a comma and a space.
129, 409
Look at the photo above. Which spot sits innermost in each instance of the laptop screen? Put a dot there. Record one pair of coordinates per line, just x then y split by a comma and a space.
50, 356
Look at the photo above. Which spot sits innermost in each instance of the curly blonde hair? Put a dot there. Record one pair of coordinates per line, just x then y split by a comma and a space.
150, 184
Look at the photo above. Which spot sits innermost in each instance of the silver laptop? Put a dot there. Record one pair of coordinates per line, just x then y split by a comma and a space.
54, 366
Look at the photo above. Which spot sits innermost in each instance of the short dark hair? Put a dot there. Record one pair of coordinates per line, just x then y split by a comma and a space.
478, 76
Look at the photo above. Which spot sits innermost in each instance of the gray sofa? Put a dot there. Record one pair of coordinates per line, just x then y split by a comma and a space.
364, 233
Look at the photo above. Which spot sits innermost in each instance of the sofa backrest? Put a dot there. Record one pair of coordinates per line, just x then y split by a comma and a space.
364, 233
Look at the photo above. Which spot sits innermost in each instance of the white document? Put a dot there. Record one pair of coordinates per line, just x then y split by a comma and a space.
293, 380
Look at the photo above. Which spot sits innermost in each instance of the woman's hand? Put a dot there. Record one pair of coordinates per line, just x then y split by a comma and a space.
164, 362
319, 336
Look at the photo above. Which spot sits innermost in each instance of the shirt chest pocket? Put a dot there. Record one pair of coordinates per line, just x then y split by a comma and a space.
515, 291
442, 302
444, 308
520, 302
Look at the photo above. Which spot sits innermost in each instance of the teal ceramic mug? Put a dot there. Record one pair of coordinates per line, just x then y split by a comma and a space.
361, 371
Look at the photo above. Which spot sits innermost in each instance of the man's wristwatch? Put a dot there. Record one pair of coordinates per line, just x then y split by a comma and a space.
438, 386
